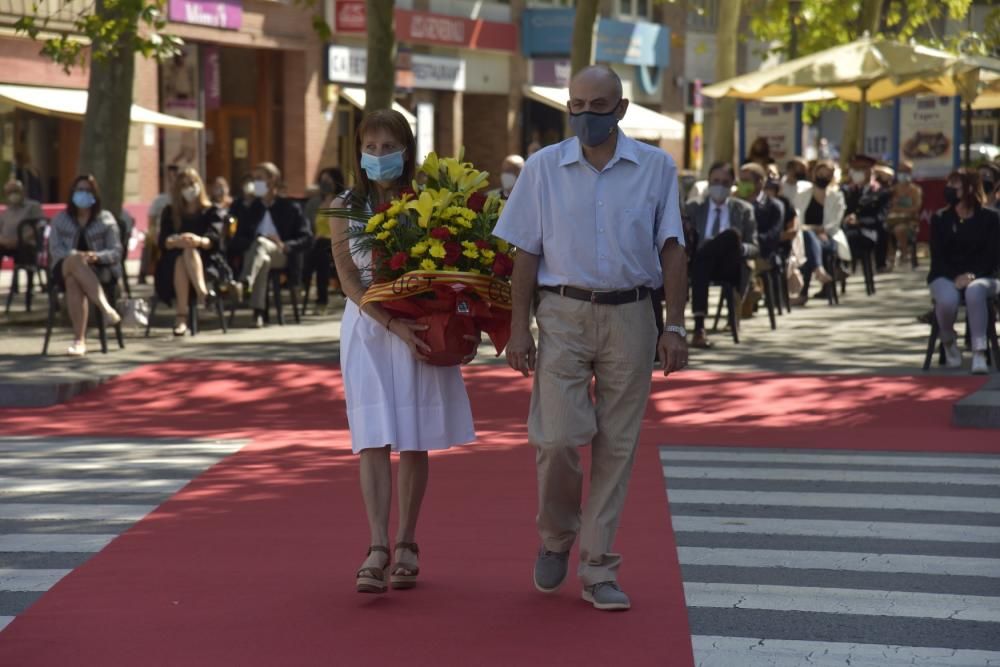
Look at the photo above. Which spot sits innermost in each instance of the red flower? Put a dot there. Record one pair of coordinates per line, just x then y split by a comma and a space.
398, 261
440, 233
476, 201
453, 251
503, 266
483, 245
382, 208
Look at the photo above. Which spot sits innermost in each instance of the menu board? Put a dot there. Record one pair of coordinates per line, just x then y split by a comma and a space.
774, 122
927, 134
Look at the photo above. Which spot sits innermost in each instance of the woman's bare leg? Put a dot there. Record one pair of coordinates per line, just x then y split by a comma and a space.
902, 233
76, 304
413, 473
182, 289
74, 266
376, 489
195, 272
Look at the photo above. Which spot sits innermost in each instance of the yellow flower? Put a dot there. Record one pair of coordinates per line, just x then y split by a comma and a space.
437, 249
428, 265
487, 256
502, 245
390, 224
394, 210
418, 249
382, 236
471, 251
424, 206
374, 222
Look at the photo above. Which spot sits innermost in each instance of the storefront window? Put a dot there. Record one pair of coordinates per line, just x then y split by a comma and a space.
702, 15
633, 9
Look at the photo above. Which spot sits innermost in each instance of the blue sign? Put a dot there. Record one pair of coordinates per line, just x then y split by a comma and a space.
547, 32
632, 43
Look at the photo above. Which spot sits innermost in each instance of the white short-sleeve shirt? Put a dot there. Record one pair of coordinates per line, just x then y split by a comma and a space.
599, 230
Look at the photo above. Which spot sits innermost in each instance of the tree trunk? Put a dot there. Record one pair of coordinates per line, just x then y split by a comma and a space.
380, 82
853, 140
104, 141
582, 50
724, 117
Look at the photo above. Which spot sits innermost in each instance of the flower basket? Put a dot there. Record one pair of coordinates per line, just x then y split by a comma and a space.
453, 305
435, 259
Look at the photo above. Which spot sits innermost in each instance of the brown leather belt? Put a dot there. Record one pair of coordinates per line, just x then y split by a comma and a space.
601, 297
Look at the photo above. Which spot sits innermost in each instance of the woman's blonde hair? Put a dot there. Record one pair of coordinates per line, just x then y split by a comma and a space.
177, 203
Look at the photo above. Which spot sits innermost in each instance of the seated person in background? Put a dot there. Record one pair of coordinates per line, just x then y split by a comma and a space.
509, 171
768, 214
320, 257
989, 174
86, 252
267, 232
796, 178
965, 257
725, 237
904, 213
820, 210
867, 210
219, 196
190, 231
18, 210
789, 227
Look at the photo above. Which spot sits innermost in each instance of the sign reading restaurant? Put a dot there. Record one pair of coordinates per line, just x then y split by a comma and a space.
348, 65
427, 28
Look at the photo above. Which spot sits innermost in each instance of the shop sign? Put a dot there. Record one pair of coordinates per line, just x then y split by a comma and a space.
775, 122
457, 31
427, 28
632, 43
554, 73
928, 134
547, 32
211, 75
224, 14
349, 65
351, 16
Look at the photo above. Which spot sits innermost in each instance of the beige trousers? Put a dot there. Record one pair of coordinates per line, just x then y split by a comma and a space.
592, 381
262, 256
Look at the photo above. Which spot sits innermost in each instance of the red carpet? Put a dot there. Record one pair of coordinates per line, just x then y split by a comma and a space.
252, 563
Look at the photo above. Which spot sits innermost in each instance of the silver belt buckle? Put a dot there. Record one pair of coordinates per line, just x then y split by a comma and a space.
594, 293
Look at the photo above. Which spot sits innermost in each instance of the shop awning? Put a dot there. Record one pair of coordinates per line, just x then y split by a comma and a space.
72, 103
639, 122
357, 97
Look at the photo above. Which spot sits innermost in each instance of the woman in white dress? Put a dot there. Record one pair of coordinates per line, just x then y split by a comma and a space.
395, 401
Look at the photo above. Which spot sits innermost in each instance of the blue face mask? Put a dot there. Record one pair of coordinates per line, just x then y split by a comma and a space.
383, 167
592, 128
83, 199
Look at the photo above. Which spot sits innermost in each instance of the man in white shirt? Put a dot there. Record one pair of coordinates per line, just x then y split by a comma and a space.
596, 221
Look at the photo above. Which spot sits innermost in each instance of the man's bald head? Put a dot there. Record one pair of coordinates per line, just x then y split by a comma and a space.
512, 164
596, 88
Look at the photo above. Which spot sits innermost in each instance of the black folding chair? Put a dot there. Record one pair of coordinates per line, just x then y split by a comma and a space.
27, 258
992, 344
730, 297
110, 291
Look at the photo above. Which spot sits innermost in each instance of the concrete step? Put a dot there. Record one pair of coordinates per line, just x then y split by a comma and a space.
980, 409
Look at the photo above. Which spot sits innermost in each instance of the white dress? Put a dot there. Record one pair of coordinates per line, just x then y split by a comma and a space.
393, 399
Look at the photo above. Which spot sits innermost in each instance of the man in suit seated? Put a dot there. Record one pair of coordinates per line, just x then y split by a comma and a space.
725, 237
268, 232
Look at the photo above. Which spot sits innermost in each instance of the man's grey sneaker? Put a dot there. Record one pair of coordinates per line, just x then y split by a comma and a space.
550, 570
606, 596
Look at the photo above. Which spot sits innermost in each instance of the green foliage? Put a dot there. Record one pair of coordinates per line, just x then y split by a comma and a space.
110, 26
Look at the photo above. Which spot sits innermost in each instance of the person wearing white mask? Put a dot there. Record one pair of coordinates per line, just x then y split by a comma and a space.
726, 237
270, 232
509, 171
904, 215
190, 230
86, 253
867, 210
19, 208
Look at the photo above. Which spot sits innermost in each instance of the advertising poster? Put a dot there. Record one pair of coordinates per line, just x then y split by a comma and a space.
776, 123
927, 135
179, 77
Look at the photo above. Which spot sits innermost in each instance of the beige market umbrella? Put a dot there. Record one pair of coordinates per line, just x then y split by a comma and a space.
869, 69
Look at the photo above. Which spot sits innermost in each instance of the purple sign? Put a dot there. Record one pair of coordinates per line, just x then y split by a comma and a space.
211, 76
550, 72
225, 14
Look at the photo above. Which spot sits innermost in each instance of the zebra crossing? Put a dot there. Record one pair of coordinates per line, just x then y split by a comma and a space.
831, 557
62, 500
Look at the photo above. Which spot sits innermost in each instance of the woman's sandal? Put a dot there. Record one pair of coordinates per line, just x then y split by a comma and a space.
373, 579
402, 576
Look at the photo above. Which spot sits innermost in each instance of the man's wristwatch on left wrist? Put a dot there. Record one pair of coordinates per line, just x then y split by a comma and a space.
677, 329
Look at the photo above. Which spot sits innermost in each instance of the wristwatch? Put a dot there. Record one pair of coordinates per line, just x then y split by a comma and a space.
679, 330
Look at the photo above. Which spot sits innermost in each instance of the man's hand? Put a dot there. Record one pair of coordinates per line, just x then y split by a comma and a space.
521, 351
963, 280
673, 352
851, 220
90, 257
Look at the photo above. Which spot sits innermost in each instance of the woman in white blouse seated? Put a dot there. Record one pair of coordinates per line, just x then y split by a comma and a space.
820, 210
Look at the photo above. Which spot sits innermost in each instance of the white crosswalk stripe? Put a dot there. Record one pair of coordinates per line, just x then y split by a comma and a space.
63, 500
891, 560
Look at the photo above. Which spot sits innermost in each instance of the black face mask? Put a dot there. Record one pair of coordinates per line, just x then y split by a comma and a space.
823, 182
951, 195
